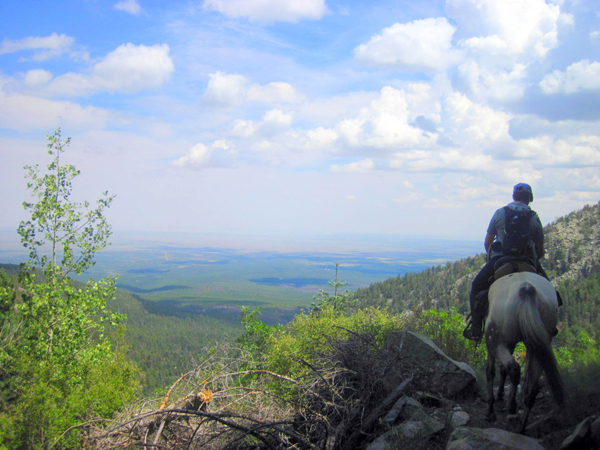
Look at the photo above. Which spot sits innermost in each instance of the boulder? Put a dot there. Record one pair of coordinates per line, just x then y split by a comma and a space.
596, 430
405, 405
466, 438
457, 418
434, 371
417, 428
581, 438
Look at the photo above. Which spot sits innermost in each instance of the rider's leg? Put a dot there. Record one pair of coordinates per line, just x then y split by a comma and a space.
480, 283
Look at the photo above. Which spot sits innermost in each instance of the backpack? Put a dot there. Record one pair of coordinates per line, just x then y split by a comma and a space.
517, 240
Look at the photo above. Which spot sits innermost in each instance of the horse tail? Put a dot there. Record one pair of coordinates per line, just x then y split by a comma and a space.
537, 339
530, 322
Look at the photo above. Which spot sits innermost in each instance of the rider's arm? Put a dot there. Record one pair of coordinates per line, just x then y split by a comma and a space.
538, 237
489, 239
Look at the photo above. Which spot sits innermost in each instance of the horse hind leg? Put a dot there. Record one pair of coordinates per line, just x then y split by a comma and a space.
531, 389
503, 375
514, 372
509, 367
489, 375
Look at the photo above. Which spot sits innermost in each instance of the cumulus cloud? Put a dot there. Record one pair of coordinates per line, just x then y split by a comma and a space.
37, 77
277, 118
269, 11
473, 124
359, 166
242, 129
129, 68
576, 151
26, 113
484, 82
420, 45
386, 123
225, 89
130, 6
199, 156
44, 47
406, 198
506, 27
321, 137
580, 76
275, 92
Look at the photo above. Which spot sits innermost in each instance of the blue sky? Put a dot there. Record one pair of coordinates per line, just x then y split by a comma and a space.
303, 117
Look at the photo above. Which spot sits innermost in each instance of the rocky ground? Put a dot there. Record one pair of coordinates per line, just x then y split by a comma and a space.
443, 392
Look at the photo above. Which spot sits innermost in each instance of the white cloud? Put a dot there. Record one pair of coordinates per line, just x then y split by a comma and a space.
580, 76
37, 77
269, 11
484, 82
406, 198
225, 89
129, 68
386, 122
25, 113
321, 137
242, 129
277, 118
506, 27
130, 6
553, 83
201, 156
45, 47
420, 45
197, 156
570, 151
359, 166
473, 124
274, 93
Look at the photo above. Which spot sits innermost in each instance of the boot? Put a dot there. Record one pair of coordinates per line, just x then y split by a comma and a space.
473, 328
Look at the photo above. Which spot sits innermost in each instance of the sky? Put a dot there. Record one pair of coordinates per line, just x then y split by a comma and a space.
293, 118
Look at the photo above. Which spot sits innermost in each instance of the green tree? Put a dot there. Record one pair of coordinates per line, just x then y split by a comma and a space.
61, 362
339, 302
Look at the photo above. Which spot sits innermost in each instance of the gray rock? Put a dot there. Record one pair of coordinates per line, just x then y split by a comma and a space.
457, 419
466, 438
581, 438
596, 430
405, 405
418, 427
434, 371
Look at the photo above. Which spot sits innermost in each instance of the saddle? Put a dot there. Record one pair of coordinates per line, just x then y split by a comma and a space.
512, 264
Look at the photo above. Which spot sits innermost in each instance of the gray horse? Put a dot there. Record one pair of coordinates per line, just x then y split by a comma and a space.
522, 308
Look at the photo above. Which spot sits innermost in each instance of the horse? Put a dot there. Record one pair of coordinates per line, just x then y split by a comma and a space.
522, 308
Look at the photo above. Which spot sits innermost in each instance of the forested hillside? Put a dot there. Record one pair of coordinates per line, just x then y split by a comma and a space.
571, 261
162, 346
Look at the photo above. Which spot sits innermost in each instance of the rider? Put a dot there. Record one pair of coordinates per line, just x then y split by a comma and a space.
522, 196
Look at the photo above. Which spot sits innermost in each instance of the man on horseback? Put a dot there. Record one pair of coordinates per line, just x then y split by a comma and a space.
526, 242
